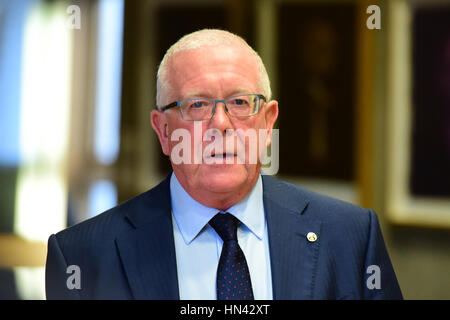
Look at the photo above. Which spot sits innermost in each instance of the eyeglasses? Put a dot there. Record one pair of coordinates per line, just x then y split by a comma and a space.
197, 109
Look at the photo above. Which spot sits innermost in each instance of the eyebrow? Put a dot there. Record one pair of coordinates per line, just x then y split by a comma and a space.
200, 93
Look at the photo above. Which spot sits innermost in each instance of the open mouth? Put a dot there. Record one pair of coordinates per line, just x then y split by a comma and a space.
223, 155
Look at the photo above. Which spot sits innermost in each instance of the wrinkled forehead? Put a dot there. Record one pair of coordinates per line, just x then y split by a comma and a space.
237, 52
218, 60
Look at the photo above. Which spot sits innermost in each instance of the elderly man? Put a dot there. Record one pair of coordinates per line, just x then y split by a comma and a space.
216, 228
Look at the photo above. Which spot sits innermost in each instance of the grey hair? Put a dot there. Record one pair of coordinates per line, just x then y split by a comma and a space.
203, 38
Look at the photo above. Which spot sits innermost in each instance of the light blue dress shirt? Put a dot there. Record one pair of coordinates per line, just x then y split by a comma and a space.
198, 246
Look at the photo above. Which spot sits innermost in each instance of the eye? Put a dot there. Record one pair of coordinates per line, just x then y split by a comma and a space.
239, 102
198, 104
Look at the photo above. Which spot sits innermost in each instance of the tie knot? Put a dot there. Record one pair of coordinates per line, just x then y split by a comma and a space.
225, 225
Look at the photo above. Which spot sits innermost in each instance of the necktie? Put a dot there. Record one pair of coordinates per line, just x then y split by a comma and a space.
233, 278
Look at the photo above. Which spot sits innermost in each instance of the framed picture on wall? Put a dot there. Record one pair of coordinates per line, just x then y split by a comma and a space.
316, 67
418, 163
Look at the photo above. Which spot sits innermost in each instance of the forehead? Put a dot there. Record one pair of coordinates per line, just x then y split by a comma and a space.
213, 70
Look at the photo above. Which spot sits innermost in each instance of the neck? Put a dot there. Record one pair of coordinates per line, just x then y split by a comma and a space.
220, 200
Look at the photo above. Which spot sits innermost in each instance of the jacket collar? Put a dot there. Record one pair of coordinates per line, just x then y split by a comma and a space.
147, 248
293, 257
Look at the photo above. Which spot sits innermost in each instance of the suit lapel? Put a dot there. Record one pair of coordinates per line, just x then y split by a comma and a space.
293, 257
147, 250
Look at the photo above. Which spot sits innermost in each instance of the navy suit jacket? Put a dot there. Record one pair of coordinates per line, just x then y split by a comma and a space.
128, 252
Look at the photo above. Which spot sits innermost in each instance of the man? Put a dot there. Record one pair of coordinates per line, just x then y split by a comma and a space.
216, 228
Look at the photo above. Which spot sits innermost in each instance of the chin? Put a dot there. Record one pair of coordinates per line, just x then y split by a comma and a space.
224, 178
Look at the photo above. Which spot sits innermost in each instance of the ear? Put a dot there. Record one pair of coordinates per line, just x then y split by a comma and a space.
160, 125
271, 116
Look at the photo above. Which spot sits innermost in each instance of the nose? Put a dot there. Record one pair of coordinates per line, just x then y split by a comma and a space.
220, 119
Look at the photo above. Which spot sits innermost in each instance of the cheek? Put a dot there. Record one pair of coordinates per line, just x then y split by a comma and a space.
258, 126
186, 136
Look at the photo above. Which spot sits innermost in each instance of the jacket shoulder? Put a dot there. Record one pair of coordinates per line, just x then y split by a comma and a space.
107, 225
321, 206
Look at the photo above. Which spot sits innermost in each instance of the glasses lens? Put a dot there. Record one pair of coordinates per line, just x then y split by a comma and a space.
197, 108
242, 106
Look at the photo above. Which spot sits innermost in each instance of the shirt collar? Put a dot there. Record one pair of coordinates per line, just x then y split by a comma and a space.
191, 216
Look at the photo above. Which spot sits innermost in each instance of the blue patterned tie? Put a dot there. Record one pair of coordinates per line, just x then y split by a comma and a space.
233, 278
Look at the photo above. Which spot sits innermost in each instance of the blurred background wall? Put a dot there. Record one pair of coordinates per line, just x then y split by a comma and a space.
364, 115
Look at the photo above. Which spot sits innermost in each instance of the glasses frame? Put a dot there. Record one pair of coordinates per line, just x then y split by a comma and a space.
178, 104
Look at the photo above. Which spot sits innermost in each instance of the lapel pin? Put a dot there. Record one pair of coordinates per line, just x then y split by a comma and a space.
311, 236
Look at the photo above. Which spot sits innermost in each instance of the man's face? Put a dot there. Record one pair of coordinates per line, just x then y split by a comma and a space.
218, 73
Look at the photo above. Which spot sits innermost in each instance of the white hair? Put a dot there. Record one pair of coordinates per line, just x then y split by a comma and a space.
203, 38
